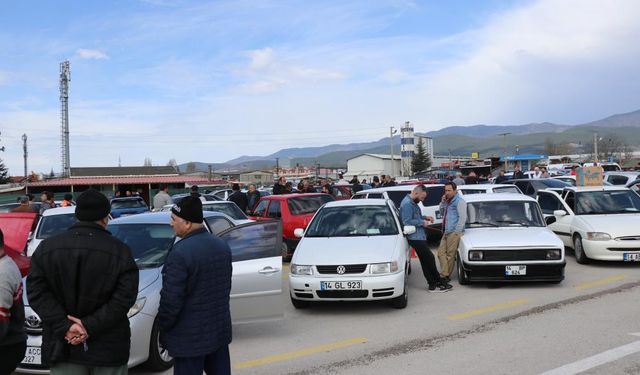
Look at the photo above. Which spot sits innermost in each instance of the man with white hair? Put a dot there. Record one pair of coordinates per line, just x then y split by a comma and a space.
459, 180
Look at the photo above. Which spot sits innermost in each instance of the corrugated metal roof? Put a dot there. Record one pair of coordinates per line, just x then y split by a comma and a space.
122, 171
134, 180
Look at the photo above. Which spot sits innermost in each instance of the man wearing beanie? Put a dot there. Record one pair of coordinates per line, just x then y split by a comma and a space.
194, 316
82, 283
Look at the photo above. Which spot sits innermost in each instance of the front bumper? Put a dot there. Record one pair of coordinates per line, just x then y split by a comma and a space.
496, 272
374, 288
611, 250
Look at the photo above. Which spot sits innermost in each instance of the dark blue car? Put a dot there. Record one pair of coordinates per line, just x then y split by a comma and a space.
128, 206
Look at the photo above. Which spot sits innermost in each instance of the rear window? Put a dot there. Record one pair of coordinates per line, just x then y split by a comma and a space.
229, 208
507, 189
434, 196
129, 203
307, 204
54, 224
397, 197
554, 183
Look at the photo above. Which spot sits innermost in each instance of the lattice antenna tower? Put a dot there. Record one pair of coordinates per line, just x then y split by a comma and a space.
65, 77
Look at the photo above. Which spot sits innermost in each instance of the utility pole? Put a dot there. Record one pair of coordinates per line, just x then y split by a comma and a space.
210, 172
595, 148
25, 153
65, 77
278, 167
504, 148
392, 131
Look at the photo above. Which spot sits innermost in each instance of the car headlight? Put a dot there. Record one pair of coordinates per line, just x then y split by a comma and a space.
137, 307
378, 268
476, 255
301, 270
598, 236
553, 254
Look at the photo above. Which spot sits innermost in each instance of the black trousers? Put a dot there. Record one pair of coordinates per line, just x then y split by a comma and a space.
11, 356
427, 261
216, 363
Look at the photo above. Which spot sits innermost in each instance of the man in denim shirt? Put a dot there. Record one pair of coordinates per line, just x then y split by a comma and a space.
411, 214
454, 213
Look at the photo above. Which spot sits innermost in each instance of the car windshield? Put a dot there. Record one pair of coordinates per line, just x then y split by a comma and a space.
554, 183
503, 214
307, 204
353, 221
149, 243
607, 202
507, 189
54, 224
127, 203
229, 208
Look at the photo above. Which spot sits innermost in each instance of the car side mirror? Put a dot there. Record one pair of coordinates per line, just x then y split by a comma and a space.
550, 220
409, 229
298, 232
30, 237
559, 213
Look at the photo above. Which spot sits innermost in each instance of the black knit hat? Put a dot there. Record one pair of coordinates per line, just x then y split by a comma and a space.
92, 205
190, 209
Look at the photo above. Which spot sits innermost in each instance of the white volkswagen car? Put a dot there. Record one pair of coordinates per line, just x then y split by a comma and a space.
506, 239
352, 250
600, 223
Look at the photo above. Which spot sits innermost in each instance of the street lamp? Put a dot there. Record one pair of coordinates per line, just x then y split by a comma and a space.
392, 131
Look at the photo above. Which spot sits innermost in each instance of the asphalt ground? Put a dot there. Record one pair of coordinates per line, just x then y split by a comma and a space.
476, 329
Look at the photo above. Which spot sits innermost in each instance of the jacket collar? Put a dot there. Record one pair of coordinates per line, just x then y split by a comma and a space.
195, 232
88, 225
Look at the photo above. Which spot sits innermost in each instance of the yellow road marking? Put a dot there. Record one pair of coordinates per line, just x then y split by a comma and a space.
484, 310
601, 282
285, 271
300, 353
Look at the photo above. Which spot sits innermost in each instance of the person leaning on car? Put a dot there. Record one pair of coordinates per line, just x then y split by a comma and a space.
194, 315
411, 214
82, 283
454, 218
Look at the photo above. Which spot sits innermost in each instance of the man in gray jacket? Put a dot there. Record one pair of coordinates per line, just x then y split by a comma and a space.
162, 198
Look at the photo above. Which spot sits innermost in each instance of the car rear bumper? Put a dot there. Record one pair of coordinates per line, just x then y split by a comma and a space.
373, 288
496, 273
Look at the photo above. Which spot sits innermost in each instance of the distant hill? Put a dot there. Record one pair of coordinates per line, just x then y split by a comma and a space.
459, 140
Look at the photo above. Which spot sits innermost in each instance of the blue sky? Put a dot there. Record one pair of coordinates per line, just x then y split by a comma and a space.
210, 81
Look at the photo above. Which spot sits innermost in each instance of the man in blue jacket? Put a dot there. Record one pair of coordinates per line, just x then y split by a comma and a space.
411, 214
194, 316
454, 213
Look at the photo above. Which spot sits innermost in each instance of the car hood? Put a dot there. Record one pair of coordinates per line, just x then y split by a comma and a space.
147, 277
346, 250
617, 225
506, 237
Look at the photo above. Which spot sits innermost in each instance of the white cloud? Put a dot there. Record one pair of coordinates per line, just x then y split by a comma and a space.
91, 54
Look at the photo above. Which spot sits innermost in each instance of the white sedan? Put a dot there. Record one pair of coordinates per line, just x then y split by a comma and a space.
352, 250
506, 239
600, 223
488, 189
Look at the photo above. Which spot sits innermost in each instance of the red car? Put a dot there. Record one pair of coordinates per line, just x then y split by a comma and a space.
16, 228
295, 211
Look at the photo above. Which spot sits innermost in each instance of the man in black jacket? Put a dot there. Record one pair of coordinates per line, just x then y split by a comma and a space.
194, 316
238, 197
82, 283
279, 187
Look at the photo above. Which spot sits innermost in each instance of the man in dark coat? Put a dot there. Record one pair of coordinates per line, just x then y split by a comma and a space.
82, 284
238, 197
279, 187
194, 315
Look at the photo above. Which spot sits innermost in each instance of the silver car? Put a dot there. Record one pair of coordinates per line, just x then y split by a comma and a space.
256, 293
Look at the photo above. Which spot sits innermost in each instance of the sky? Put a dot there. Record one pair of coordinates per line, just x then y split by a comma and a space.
211, 81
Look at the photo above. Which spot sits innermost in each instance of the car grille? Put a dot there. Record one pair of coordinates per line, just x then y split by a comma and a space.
628, 249
343, 293
628, 238
514, 255
348, 269
33, 325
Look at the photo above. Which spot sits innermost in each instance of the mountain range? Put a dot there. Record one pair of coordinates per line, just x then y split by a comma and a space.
457, 140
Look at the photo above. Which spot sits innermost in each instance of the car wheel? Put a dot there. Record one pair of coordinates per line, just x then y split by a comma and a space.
299, 304
463, 279
578, 249
402, 301
284, 250
409, 268
159, 358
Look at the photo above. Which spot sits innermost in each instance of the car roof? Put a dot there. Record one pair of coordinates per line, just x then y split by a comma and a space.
162, 217
622, 173
59, 211
596, 188
126, 199
471, 198
484, 186
357, 202
407, 188
282, 197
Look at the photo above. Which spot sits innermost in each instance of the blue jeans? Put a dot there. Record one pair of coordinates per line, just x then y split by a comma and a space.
216, 363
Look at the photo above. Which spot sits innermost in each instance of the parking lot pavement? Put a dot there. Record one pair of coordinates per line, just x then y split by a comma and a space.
344, 337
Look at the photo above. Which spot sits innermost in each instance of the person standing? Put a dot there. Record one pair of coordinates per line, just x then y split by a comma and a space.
47, 201
67, 201
307, 187
517, 172
253, 197
501, 177
82, 303
162, 198
13, 339
459, 181
472, 178
279, 187
376, 182
194, 314
195, 191
24, 205
454, 213
238, 197
537, 173
411, 214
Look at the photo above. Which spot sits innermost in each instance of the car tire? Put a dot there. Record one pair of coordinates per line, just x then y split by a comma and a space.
284, 251
578, 249
463, 279
402, 301
299, 304
159, 358
409, 268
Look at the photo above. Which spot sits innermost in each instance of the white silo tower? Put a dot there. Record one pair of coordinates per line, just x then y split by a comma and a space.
407, 148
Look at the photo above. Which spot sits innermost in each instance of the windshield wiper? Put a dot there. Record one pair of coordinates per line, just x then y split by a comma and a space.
513, 222
486, 223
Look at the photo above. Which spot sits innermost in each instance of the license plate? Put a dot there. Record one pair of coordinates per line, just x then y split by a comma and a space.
33, 356
632, 257
340, 285
515, 270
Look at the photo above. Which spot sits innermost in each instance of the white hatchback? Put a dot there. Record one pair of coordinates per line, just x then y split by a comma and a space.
53, 222
352, 250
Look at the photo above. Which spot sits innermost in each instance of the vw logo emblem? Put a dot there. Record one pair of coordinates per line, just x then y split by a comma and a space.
33, 321
341, 270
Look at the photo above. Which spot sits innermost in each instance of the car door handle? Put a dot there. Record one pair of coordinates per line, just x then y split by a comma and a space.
268, 270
